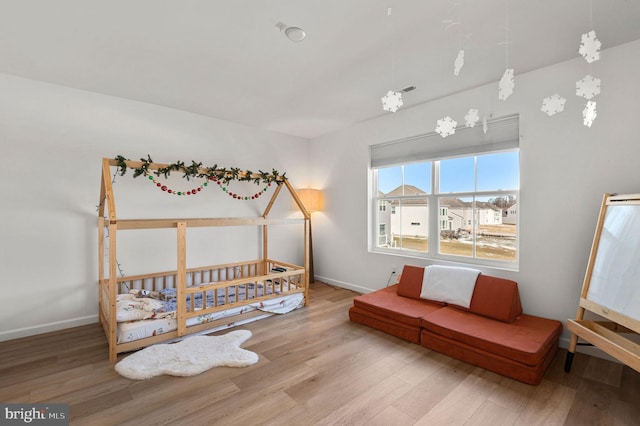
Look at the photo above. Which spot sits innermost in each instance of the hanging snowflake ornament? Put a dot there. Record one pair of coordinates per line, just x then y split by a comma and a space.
446, 127
590, 47
392, 101
553, 104
506, 85
589, 113
471, 118
459, 62
588, 87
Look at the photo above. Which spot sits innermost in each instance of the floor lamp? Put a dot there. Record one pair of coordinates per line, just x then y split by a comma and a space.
312, 200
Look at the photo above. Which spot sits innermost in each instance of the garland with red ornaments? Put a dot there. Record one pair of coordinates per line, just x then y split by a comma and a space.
221, 176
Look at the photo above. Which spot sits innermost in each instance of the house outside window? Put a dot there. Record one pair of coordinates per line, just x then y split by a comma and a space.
457, 207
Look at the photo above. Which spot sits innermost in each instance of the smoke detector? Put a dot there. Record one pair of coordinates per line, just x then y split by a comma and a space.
294, 34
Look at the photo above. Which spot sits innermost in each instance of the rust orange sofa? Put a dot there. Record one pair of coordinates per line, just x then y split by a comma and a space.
492, 333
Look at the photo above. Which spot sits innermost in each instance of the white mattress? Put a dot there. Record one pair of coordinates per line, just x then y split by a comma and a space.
134, 330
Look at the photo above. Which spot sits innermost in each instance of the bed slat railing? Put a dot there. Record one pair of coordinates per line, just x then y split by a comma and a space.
282, 278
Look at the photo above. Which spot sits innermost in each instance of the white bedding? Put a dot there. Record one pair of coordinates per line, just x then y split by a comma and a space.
134, 330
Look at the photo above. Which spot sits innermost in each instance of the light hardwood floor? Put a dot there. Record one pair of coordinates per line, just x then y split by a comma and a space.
316, 367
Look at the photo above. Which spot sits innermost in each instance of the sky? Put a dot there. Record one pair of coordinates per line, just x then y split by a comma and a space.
498, 171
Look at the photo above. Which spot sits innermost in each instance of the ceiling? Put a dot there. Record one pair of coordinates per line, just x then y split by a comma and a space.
228, 59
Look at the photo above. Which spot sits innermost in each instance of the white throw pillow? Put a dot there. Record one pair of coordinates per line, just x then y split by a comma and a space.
449, 284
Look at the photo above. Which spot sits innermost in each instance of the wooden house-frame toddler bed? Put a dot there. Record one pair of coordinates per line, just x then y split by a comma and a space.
141, 310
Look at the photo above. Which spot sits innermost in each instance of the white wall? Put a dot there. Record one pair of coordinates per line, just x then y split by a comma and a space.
565, 169
52, 140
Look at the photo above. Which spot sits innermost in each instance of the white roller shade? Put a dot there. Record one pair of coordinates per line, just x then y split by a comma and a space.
502, 134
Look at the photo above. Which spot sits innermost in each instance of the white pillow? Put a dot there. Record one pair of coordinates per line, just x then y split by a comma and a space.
449, 284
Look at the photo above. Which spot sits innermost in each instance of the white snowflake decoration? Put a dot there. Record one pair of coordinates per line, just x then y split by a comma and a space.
588, 87
590, 47
485, 125
446, 127
471, 118
459, 62
506, 85
553, 104
392, 101
589, 113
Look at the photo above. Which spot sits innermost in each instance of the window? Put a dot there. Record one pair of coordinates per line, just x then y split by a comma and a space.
457, 206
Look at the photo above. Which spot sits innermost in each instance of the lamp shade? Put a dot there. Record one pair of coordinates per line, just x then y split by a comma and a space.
311, 198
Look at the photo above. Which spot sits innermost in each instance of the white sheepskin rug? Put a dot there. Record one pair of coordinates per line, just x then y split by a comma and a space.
189, 357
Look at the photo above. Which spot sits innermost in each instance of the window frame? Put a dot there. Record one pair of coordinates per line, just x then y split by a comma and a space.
434, 220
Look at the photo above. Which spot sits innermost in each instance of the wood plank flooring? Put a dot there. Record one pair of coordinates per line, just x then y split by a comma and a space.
316, 367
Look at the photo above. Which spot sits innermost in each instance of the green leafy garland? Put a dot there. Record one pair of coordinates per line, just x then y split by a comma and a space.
221, 176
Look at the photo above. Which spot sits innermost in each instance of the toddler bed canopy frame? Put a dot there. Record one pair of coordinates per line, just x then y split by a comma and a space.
277, 279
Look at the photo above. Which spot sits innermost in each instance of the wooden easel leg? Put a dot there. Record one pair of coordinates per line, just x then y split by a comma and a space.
573, 342
568, 361
570, 353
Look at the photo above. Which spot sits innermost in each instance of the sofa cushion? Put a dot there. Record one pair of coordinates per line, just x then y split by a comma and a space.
410, 284
492, 297
389, 304
388, 325
496, 298
526, 340
531, 374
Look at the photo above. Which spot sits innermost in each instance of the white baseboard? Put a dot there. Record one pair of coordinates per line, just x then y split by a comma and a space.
46, 328
564, 342
343, 284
